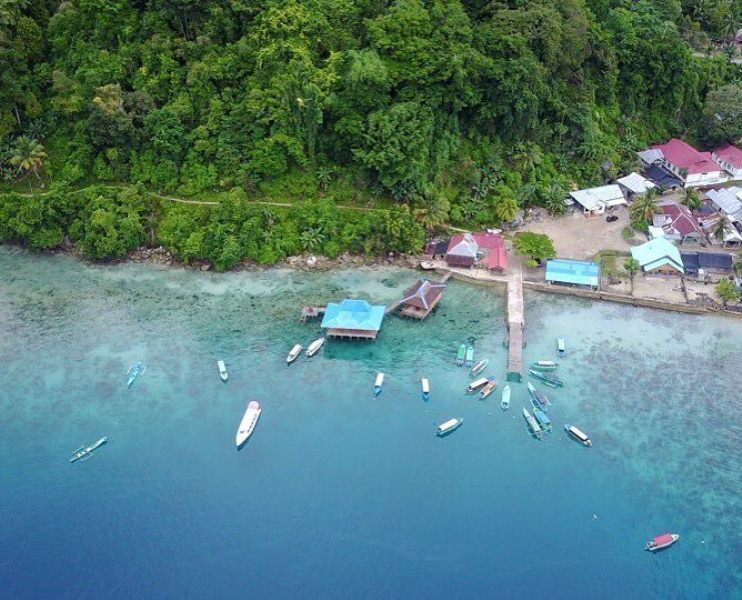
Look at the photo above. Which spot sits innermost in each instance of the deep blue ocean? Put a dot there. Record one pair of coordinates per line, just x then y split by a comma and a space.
339, 494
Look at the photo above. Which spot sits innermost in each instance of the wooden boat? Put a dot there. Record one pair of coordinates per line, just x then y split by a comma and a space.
294, 353
83, 453
476, 384
532, 424
425, 384
545, 365
448, 426
222, 370
547, 378
248, 423
461, 355
480, 366
314, 347
560, 347
542, 418
539, 397
662, 541
488, 389
578, 434
135, 371
378, 384
469, 356
505, 398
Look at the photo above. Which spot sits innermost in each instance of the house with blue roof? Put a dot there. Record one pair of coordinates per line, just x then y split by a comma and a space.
573, 272
353, 319
659, 256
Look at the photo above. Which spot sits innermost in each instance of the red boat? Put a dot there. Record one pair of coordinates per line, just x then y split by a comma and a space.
662, 541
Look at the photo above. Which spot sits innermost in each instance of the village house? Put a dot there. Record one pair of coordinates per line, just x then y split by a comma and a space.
485, 248
693, 168
728, 201
677, 224
579, 273
664, 180
594, 201
421, 299
730, 159
353, 319
701, 264
659, 256
634, 185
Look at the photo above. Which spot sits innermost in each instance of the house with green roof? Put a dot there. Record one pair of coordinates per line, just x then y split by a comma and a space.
353, 320
659, 256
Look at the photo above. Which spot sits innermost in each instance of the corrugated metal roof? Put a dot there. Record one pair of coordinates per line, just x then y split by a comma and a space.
728, 201
657, 252
636, 183
599, 197
579, 272
353, 314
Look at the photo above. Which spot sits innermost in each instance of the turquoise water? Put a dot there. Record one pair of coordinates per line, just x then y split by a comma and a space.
338, 494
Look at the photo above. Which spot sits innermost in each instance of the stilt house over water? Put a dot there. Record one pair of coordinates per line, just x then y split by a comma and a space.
353, 320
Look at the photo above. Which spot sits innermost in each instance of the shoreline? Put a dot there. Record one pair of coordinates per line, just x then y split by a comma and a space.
159, 256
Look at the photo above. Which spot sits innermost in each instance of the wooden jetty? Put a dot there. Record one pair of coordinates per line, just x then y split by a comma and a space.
516, 322
312, 312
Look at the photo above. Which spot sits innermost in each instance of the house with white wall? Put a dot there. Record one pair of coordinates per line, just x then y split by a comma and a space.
730, 159
693, 168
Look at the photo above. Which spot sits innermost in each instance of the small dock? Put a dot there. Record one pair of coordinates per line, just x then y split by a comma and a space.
312, 312
516, 322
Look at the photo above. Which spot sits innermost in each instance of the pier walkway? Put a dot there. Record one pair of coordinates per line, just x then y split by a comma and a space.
516, 322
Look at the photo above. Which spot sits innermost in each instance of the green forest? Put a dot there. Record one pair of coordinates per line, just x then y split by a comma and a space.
428, 112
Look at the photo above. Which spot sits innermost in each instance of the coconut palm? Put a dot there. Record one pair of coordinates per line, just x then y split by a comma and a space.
691, 198
28, 155
553, 196
506, 208
644, 207
324, 177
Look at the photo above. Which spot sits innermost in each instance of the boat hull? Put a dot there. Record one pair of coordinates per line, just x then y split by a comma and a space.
449, 430
655, 546
248, 423
505, 400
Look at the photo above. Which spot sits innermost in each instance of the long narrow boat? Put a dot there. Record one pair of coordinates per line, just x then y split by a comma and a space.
248, 423
425, 385
542, 418
488, 389
538, 396
135, 371
476, 384
579, 435
545, 365
469, 356
85, 452
294, 353
661, 541
560, 347
222, 370
505, 399
314, 347
532, 424
547, 378
448, 426
378, 384
461, 355
480, 366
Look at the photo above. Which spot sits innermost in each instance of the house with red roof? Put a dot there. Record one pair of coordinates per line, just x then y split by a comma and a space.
485, 248
730, 158
678, 224
693, 168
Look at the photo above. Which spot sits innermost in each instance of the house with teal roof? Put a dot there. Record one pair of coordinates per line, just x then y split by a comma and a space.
353, 319
659, 256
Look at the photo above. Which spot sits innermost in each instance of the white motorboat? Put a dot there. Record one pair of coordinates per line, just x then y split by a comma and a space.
248, 423
476, 384
294, 353
378, 384
480, 366
222, 370
448, 427
505, 401
425, 384
579, 435
314, 347
560, 347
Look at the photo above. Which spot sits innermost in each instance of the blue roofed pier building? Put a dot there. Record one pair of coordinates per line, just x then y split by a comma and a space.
353, 320
580, 273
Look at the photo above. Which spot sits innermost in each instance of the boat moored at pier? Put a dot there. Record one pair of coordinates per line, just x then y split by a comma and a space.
542, 418
547, 378
480, 366
461, 355
533, 425
476, 384
314, 347
538, 397
545, 365
505, 399
488, 389
294, 353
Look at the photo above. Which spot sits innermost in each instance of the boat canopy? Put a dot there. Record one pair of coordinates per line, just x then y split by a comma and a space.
578, 433
426, 385
663, 539
478, 382
448, 424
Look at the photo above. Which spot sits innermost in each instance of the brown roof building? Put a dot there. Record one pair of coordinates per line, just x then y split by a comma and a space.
421, 299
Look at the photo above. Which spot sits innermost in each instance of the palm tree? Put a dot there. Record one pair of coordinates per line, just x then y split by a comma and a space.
644, 207
526, 157
691, 198
324, 177
553, 197
506, 208
721, 228
434, 210
312, 238
28, 155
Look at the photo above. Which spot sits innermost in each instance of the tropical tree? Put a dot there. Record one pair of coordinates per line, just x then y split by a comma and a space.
691, 198
553, 196
632, 267
536, 245
728, 292
506, 208
643, 209
311, 239
28, 155
434, 210
324, 177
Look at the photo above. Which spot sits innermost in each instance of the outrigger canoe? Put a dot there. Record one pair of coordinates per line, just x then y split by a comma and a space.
547, 378
545, 365
533, 425
469, 356
538, 396
480, 366
85, 452
425, 384
135, 371
505, 400
461, 355
488, 389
